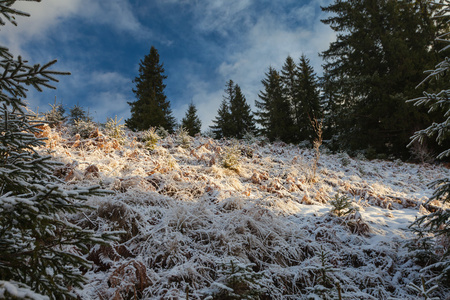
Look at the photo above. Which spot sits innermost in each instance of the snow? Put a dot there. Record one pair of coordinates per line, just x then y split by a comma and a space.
12, 289
187, 217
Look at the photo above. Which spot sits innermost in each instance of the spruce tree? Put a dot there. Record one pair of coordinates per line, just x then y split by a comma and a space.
438, 221
78, 113
308, 94
274, 111
241, 114
289, 77
222, 123
373, 67
38, 246
151, 109
191, 122
234, 117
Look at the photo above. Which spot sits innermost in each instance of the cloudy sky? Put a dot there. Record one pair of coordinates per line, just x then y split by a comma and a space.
202, 44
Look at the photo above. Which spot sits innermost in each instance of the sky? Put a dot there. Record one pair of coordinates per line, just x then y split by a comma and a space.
202, 44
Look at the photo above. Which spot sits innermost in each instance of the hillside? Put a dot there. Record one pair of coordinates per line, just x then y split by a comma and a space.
207, 219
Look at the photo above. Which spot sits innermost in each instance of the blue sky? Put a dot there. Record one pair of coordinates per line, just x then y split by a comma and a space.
202, 44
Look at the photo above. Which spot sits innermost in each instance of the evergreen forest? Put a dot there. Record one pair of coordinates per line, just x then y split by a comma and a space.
332, 184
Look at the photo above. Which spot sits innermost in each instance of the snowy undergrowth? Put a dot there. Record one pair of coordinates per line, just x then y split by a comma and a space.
260, 230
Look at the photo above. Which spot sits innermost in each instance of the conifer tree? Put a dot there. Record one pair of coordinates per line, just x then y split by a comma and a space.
241, 114
151, 109
438, 222
191, 122
55, 116
78, 113
308, 94
373, 67
234, 115
222, 123
289, 77
38, 245
274, 112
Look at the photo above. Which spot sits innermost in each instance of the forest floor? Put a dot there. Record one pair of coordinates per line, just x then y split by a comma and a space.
208, 219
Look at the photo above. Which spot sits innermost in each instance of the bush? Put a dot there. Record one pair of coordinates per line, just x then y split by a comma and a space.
114, 129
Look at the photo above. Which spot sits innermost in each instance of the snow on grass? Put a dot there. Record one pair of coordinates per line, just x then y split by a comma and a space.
189, 220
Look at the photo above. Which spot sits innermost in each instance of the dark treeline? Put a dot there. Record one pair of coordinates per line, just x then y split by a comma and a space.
369, 72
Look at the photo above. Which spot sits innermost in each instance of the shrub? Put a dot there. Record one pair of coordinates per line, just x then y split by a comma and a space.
341, 206
230, 157
150, 138
238, 281
114, 129
84, 128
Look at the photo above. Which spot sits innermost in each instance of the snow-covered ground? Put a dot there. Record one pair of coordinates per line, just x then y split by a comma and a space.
262, 228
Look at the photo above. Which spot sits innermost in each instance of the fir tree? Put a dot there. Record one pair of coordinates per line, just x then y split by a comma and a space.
241, 114
438, 222
55, 116
191, 122
151, 109
289, 77
308, 94
373, 67
222, 122
38, 245
274, 112
78, 113
234, 115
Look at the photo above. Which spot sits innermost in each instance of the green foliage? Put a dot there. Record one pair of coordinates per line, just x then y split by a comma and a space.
373, 67
222, 122
84, 128
300, 87
78, 113
238, 281
114, 129
151, 108
40, 250
55, 116
324, 285
234, 115
436, 223
274, 111
341, 206
183, 137
150, 138
191, 122
423, 291
230, 157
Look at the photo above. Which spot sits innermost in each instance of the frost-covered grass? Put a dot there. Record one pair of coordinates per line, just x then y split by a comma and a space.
261, 230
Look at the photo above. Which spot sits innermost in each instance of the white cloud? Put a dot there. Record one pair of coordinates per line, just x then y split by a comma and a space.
265, 43
49, 14
220, 15
108, 104
116, 13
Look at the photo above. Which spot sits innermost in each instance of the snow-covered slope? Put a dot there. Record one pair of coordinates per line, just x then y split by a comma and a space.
261, 228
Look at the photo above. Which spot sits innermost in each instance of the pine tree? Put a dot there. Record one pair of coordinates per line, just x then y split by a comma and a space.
438, 222
241, 114
38, 245
151, 109
191, 122
274, 112
373, 67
